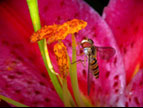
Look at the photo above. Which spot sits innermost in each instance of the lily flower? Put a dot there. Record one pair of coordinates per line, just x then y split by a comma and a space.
23, 75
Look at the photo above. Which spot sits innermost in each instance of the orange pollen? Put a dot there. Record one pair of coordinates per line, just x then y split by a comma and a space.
76, 25
44, 32
60, 51
58, 32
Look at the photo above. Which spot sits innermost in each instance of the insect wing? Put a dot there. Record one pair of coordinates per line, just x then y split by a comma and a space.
105, 52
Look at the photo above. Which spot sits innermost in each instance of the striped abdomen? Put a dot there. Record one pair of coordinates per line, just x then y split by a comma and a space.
94, 67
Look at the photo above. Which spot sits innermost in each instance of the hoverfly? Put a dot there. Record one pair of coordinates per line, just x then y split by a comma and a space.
90, 50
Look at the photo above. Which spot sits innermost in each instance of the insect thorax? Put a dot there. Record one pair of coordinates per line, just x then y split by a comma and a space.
89, 51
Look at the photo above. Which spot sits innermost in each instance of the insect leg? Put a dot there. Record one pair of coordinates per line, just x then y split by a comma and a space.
88, 78
81, 61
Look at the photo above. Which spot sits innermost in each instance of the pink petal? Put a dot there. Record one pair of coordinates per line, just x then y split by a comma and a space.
134, 91
125, 19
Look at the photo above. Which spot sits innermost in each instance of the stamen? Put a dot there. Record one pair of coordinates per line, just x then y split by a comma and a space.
58, 32
76, 25
44, 32
60, 51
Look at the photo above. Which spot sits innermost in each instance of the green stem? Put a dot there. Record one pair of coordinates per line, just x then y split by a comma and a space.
73, 75
86, 101
33, 8
66, 97
34, 12
52, 76
8, 100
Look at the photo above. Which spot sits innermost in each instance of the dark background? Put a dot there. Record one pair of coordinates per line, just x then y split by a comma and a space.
98, 5
3, 104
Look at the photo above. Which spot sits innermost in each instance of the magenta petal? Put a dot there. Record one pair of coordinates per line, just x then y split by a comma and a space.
134, 91
125, 19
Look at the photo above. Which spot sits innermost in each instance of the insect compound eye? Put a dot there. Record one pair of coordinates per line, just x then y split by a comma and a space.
83, 42
90, 41
86, 45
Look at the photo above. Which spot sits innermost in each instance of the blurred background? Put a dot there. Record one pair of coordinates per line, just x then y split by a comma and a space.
98, 5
